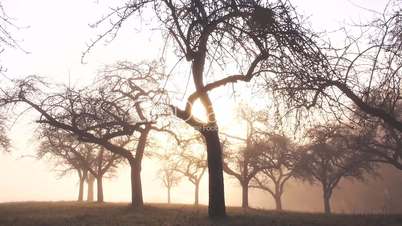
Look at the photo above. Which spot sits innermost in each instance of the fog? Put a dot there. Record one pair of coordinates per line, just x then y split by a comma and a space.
56, 34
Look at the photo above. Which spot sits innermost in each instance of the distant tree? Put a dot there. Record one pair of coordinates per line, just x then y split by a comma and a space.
169, 176
328, 158
277, 163
84, 158
241, 161
64, 161
192, 163
252, 36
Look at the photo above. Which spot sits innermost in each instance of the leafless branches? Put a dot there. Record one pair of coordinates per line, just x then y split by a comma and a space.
329, 157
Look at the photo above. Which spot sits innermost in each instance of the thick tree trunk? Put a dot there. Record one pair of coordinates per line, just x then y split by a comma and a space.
197, 187
90, 182
168, 190
244, 202
99, 183
136, 187
327, 201
216, 207
81, 190
278, 202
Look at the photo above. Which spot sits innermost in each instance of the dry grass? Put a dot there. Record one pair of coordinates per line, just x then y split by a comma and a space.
117, 214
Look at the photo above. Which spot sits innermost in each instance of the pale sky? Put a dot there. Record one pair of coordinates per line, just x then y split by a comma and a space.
55, 33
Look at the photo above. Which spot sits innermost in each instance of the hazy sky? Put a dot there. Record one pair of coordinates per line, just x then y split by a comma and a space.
55, 33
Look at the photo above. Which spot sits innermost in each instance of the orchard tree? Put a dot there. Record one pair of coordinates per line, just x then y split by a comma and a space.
115, 108
328, 158
192, 163
241, 159
83, 157
64, 161
277, 164
250, 36
365, 72
169, 176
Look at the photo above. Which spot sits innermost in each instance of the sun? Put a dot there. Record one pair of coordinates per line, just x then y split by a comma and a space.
198, 110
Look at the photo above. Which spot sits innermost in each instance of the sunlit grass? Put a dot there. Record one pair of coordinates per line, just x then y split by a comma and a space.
120, 214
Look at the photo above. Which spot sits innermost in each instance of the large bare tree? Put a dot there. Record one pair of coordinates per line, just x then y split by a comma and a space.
251, 35
365, 71
115, 108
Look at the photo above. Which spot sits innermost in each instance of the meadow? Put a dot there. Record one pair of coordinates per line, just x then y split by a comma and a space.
120, 214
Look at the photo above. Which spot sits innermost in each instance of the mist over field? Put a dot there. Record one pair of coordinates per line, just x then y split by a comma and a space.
204, 112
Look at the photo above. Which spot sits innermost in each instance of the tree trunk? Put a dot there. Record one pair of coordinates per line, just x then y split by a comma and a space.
327, 199
216, 207
168, 190
197, 187
90, 181
81, 190
278, 202
244, 202
136, 188
99, 183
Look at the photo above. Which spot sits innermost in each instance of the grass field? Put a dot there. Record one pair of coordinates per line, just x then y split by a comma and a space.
117, 214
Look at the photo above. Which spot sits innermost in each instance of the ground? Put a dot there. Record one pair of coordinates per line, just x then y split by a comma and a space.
119, 214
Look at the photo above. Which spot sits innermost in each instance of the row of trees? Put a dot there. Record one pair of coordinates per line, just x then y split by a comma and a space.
266, 159
268, 39
260, 39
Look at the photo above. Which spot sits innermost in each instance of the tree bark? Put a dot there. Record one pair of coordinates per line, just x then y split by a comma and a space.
244, 202
136, 187
90, 181
327, 203
99, 183
216, 207
168, 190
278, 202
197, 187
81, 190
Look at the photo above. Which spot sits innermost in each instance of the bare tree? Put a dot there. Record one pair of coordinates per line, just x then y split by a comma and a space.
192, 163
210, 34
277, 165
65, 161
366, 71
85, 158
115, 109
169, 176
328, 158
379, 139
242, 163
